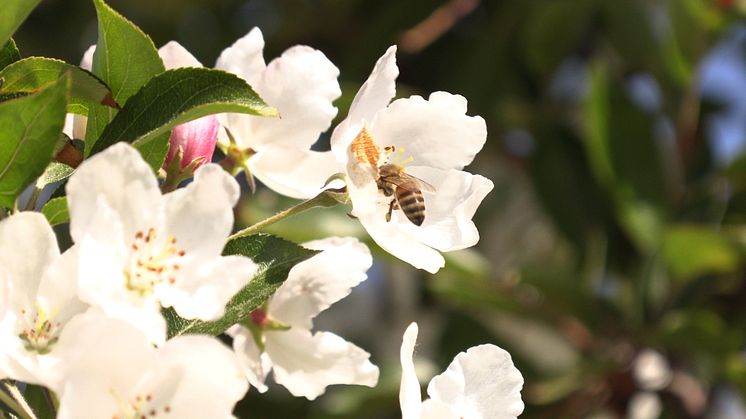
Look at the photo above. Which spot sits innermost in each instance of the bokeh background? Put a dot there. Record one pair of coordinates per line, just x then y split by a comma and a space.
612, 250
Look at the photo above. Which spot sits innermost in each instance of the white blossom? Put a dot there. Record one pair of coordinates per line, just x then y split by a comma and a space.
429, 139
481, 383
140, 250
112, 371
651, 370
37, 298
301, 84
302, 361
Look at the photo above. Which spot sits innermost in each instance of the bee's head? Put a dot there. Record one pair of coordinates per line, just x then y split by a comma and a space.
389, 170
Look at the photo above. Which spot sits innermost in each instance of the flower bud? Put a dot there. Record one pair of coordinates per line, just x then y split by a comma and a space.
196, 139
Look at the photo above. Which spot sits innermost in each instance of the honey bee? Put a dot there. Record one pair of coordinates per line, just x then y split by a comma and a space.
407, 192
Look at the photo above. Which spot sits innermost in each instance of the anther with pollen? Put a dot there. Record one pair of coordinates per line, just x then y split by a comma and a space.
154, 260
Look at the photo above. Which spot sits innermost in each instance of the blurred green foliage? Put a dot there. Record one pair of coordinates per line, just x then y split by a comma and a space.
612, 228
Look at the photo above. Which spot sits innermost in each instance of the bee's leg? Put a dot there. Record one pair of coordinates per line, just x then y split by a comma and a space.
392, 207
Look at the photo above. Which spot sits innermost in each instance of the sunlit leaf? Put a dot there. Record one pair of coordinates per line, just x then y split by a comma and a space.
125, 59
33, 73
55, 210
30, 131
9, 54
178, 96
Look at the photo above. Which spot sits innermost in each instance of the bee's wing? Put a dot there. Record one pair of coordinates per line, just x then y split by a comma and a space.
426, 186
409, 182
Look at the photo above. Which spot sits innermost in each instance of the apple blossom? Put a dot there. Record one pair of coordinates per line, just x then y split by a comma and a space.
430, 140
140, 250
480, 383
39, 300
279, 338
301, 84
112, 371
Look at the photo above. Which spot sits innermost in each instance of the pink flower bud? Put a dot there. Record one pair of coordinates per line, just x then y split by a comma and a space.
196, 139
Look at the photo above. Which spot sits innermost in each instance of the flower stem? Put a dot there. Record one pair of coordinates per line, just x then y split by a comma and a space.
14, 400
326, 198
31, 204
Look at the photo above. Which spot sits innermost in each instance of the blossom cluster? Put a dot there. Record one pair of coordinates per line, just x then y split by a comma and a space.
88, 323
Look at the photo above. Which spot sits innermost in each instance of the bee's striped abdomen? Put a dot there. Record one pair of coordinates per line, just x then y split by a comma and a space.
412, 203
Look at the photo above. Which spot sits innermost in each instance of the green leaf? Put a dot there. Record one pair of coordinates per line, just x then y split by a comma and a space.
13, 14
625, 158
691, 251
55, 172
178, 96
9, 54
125, 59
154, 152
55, 211
30, 130
33, 73
275, 256
39, 400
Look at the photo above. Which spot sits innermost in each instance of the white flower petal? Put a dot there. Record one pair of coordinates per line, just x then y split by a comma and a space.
143, 314
435, 409
480, 383
174, 56
401, 244
244, 58
448, 224
315, 284
6, 291
363, 191
120, 177
87, 61
374, 95
59, 286
200, 216
435, 132
67, 129
211, 382
203, 290
255, 364
88, 345
301, 84
113, 371
29, 247
35, 281
292, 171
86, 398
306, 364
75, 126
58, 298
410, 398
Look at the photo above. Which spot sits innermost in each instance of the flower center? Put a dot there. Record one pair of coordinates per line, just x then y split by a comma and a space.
139, 407
366, 151
41, 332
154, 260
396, 157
